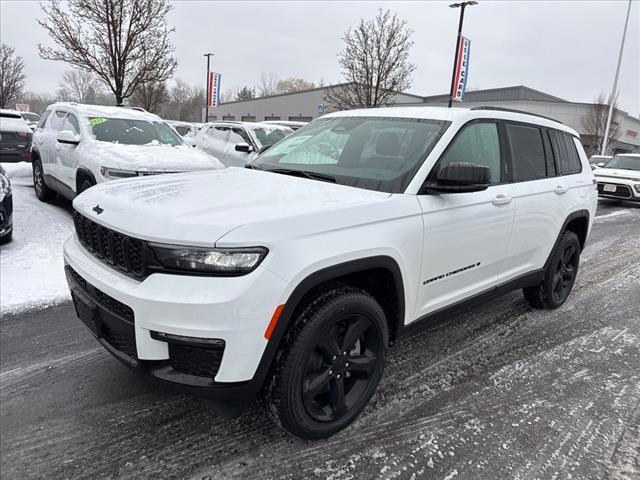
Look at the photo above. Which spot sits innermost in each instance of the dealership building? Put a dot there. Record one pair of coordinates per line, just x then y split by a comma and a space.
307, 105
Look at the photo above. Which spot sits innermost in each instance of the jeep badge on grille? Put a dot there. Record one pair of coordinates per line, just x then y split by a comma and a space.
98, 209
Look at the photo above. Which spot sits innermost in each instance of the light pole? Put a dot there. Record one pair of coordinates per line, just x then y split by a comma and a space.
206, 101
615, 84
462, 6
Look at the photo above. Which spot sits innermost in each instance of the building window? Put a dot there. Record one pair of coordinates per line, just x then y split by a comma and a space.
300, 119
271, 117
228, 117
248, 118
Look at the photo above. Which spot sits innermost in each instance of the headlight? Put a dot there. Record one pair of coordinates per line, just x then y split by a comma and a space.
114, 173
222, 261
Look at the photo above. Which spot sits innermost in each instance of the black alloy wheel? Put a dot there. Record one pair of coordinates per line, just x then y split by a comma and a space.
565, 273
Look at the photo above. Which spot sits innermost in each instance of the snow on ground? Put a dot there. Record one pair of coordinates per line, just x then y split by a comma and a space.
31, 265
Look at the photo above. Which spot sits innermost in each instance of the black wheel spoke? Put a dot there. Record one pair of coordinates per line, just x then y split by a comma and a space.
568, 254
362, 364
316, 385
329, 348
337, 398
354, 332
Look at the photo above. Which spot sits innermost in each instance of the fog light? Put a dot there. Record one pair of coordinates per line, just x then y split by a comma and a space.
637, 187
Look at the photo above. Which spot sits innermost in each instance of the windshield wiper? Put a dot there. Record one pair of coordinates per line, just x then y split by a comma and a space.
303, 173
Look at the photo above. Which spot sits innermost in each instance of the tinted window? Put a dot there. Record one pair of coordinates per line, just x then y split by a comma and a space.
566, 153
527, 152
477, 143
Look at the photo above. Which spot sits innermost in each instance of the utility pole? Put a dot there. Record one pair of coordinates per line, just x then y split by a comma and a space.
462, 6
615, 84
206, 101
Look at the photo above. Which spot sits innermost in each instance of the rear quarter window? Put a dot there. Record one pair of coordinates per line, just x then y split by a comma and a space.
566, 153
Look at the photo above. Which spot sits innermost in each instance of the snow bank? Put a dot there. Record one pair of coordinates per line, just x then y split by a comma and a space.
31, 265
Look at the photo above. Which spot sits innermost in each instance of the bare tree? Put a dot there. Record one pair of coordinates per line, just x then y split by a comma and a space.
124, 42
595, 123
374, 62
151, 96
292, 84
11, 75
79, 85
267, 85
185, 102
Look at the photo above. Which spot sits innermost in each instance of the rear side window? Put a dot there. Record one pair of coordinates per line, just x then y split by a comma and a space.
479, 144
527, 152
566, 154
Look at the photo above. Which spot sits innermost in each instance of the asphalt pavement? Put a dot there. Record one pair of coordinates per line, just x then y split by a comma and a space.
500, 391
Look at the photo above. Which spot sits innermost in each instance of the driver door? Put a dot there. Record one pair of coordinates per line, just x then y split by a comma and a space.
66, 155
466, 235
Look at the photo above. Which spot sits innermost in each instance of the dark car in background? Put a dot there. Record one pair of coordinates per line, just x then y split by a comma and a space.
6, 208
31, 118
15, 137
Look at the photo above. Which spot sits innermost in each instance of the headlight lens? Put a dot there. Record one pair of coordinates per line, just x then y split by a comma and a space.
114, 173
5, 186
223, 261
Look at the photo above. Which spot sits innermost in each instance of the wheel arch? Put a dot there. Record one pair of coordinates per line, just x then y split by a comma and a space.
576, 222
83, 174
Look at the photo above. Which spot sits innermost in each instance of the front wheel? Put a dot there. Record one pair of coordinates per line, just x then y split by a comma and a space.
559, 276
329, 365
44, 193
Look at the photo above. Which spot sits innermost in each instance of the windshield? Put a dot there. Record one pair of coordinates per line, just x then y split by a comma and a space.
366, 152
32, 117
133, 132
624, 162
268, 136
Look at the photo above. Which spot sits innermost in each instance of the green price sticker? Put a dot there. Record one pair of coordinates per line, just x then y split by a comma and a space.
96, 121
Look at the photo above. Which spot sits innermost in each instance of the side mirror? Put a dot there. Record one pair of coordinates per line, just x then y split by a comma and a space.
601, 164
244, 147
68, 137
460, 177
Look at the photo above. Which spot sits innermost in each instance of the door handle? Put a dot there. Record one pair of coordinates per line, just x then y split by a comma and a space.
560, 190
501, 200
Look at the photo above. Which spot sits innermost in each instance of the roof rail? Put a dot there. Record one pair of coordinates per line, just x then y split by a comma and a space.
511, 110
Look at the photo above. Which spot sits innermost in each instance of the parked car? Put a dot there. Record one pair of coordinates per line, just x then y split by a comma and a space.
185, 128
286, 123
31, 118
15, 137
597, 161
6, 208
619, 178
77, 146
237, 143
291, 278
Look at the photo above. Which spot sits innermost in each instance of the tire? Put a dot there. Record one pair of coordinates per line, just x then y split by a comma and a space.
85, 185
559, 276
329, 364
44, 193
6, 238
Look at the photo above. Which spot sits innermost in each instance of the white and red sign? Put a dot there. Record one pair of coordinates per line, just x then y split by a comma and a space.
22, 107
214, 89
462, 69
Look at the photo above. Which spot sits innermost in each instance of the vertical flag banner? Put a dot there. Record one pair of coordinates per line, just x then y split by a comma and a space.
214, 89
462, 69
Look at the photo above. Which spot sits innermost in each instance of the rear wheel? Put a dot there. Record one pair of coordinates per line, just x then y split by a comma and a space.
44, 193
329, 365
559, 277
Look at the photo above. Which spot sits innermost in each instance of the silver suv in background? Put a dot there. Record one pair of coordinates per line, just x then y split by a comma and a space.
77, 146
237, 143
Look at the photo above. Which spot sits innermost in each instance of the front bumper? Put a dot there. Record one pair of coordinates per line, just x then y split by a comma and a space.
619, 189
129, 318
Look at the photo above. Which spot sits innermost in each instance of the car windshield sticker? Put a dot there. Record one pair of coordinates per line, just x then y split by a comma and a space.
96, 120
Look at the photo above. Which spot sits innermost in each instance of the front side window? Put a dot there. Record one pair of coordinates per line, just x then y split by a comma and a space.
43, 119
72, 124
269, 136
527, 152
133, 132
479, 144
57, 120
374, 153
565, 152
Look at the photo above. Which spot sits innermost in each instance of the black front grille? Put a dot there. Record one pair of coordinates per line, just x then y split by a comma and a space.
203, 362
622, 191
119, 342
125, 253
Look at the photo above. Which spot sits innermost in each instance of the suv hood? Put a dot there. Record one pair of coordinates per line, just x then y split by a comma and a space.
152, 158
617, 173
199, 208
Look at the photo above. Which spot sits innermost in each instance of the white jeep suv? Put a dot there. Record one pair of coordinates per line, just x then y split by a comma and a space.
291, 278
77, 146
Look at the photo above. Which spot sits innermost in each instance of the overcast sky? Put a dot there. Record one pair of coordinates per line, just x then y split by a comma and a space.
565, 48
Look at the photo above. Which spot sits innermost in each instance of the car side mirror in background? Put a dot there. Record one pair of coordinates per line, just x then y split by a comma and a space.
460, 177
68, 137
601, 164
244, 147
